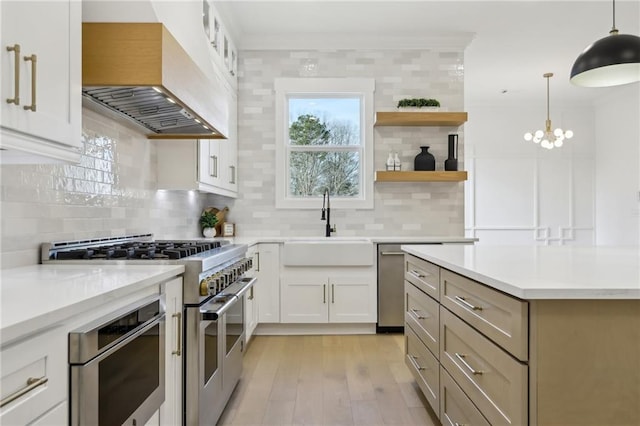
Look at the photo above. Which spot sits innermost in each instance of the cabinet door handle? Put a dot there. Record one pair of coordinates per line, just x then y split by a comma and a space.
213, 166
417, 315
324, 293
414, 361
178, 350
333, 293
32, 383
417, 274
233, 175
16, 74
467, 304
33, 59
257, 261
466, 364
250, 297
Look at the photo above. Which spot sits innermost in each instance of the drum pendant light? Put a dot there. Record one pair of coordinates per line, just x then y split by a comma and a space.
610, 61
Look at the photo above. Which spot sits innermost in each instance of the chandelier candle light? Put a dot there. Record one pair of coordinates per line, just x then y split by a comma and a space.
547, 138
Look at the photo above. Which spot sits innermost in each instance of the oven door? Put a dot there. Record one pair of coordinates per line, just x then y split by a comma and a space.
124, 384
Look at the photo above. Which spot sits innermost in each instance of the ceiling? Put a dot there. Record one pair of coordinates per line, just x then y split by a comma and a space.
509, 44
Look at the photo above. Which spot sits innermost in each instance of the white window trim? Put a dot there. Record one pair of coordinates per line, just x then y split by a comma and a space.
363, 87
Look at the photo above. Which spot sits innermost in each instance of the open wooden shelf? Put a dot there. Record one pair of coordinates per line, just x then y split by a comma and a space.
417, 118
413, 176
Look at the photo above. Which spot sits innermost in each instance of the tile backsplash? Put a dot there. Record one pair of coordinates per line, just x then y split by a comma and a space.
110, 192
401, 209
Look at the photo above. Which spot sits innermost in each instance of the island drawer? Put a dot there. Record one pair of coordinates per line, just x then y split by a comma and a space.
424, 367
422, 274
422, 314
34, 376
455, 407
494, 381
500, 317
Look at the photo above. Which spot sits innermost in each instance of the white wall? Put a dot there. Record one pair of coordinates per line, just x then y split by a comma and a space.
586, 192
617, 128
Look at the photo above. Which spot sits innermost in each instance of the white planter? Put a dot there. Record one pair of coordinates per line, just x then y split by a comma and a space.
209, 232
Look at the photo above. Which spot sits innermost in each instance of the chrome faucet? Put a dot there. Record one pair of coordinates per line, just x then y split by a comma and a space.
328, 228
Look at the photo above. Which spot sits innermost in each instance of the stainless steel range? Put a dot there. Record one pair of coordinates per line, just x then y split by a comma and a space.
214, 327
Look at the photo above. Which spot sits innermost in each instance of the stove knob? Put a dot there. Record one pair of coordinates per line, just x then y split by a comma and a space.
204, 287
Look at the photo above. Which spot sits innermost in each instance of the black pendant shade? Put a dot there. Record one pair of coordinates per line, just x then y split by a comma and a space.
610, 61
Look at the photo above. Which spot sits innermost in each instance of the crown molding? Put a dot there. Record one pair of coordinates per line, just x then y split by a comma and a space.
346, 41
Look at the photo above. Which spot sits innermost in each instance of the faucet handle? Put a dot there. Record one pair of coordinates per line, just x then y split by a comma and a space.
333, 228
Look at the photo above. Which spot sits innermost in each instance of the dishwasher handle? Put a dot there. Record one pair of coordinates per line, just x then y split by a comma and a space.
392, 253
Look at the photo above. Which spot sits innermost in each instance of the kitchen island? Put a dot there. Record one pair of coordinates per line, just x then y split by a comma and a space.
532, 335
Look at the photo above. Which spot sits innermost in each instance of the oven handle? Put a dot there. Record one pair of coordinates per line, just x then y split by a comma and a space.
247, 284
129, 338
214, 309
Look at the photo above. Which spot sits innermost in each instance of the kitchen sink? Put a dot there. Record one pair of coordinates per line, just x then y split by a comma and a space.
328, 252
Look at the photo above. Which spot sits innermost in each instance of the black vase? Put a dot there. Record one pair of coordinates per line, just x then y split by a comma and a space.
451, 163
424, 160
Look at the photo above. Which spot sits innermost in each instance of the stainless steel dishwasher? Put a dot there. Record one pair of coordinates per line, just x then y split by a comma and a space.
390, 288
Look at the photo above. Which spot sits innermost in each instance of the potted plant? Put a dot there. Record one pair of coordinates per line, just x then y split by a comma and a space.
208, 221
418, 103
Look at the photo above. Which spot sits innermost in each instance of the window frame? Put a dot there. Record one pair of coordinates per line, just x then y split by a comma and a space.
324, 88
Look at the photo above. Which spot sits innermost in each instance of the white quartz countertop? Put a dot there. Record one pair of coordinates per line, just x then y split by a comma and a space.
33, 297
543, 272
375, 240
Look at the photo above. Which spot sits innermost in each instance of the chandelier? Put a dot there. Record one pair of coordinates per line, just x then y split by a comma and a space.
548, 138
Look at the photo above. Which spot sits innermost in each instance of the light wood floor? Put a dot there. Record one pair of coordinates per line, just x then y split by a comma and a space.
327, 380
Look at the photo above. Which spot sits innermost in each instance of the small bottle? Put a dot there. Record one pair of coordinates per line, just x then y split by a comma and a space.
390, 163
397, 165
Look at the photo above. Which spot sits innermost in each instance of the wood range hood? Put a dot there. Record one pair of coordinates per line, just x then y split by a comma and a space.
140, 72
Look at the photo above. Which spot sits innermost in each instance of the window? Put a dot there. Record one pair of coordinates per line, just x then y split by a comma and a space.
324, 140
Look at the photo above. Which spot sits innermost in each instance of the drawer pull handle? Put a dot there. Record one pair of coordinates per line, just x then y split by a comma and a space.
466, 364
414, 361
417, 274
32, 383
467, 304
415, 312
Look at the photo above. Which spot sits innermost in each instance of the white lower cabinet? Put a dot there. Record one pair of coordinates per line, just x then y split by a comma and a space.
34, 377
56, 417
250, 301
328, 295
171, 410
266, 265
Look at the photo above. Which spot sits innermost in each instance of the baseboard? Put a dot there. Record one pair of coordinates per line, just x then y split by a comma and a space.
271, 329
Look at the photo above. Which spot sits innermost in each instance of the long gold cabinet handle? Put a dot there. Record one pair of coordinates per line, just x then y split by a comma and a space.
178, 350
324, 293
33, 59
16, 74
32, 383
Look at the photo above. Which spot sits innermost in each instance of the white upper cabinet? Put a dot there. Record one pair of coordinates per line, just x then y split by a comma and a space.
41, 81
223, 51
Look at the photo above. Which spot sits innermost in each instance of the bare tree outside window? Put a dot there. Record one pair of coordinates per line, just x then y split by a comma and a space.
324, 153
